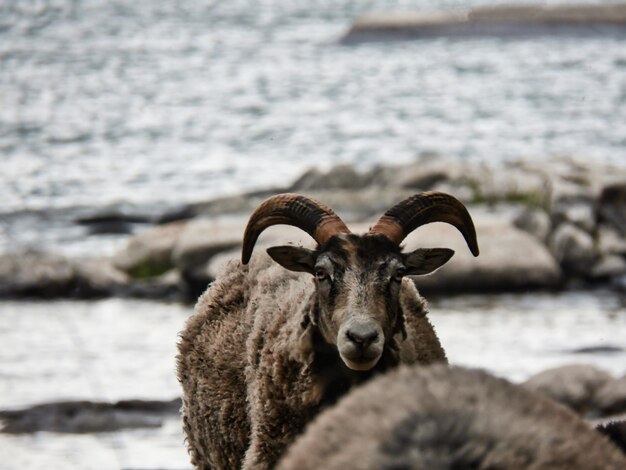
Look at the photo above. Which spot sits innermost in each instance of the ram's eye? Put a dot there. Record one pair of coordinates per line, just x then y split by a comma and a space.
321, 275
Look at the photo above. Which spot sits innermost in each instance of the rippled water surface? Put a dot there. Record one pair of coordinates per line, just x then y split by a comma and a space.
109, 101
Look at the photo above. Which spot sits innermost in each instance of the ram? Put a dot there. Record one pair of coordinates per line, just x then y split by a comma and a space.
271, 344
437, 417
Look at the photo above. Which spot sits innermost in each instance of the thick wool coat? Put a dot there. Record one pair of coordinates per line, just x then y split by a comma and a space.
254, 371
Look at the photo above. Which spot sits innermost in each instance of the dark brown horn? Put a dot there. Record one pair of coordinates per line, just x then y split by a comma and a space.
424, 208
307, 214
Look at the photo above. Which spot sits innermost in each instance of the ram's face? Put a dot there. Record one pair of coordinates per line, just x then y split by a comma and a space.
358, 281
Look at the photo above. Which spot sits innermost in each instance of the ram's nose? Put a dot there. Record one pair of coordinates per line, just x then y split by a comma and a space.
362, 334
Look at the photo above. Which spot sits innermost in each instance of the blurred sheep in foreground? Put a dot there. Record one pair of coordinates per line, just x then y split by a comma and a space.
449, 418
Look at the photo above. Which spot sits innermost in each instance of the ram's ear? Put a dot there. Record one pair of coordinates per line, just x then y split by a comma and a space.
293, 258
426, 260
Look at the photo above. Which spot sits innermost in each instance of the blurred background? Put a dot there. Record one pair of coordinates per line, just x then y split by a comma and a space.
136, 138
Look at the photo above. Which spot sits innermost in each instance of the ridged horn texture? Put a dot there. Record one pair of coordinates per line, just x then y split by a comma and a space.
307, 214
399, 221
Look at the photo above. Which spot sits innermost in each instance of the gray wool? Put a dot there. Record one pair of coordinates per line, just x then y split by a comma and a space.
441, 417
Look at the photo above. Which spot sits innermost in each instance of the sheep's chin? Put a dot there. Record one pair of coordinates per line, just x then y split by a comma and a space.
360, 366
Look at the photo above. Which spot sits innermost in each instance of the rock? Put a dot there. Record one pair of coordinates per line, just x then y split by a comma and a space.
573, 385
612, 206
499, 20
88, 417
241, 204
424, 176
349, 204
368, 203
198, 243
201, 239
166, 286
611, 397
512, 184
36, 274
178, 214
509, 260
564, 193
573, 249
534, 221
461, 190
608, 266
110, 228
578, 213
149, 254
382, 175
111, 222
599, 349
98, 277
339, 177
610, 241
44, 275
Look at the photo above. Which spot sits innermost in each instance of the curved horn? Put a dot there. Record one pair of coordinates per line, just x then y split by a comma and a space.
307, 214
424, 208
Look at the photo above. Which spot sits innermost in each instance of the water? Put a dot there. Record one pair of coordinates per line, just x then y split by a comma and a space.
146, 102
113, 349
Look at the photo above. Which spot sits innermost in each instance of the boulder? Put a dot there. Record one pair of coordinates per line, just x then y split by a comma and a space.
149, 253
96, 277
495, 20
111, 221
423, 176
534, 221
166, 286
573, 385
611, 241
201, 239
87, 416
237, 204
44, 275
611, 397
339, 177
580, 213
36, 274
382, 175
608, 266
564, 192
512, 184
573, 248
597, 349
509, 260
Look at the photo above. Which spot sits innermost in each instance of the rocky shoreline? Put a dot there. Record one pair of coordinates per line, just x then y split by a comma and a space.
552, 225
496, 20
